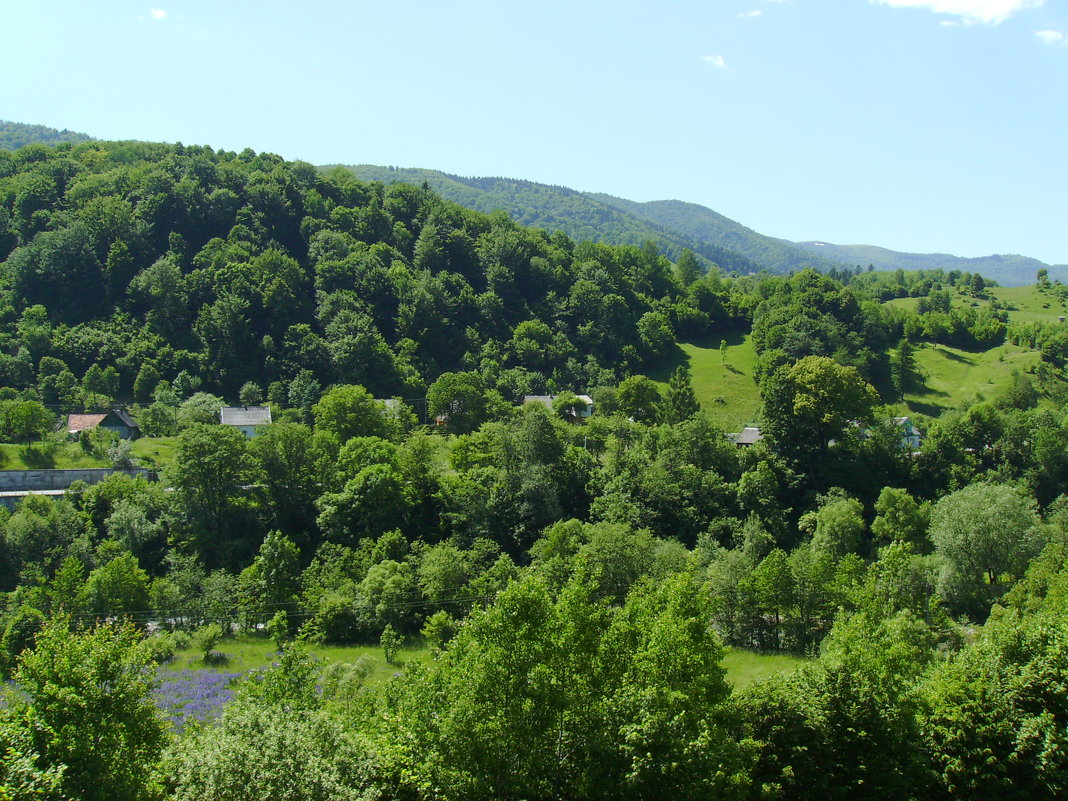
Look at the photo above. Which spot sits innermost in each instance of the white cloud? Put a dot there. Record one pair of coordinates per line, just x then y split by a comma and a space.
715, 61
1050, 37
156, 13
750, 14
969, 12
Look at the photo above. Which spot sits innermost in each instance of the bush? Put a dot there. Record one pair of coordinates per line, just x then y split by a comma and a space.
182, 640
205, 639
264, 751
91, 710
159, 648
391, 643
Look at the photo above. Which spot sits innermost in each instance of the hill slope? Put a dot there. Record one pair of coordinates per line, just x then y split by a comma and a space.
707, 226
675, 225
581, 216
14, 135
1008, 270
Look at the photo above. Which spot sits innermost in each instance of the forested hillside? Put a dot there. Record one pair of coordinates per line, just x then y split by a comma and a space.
14, 135
675, 226
548, 589
703, 225
581, 216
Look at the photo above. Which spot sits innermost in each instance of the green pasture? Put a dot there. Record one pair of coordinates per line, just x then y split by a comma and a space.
248, 653
952, 377
724, 383
1030, 304
745, 667
47, 455
155, 453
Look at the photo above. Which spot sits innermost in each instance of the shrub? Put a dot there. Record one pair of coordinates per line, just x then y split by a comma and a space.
205, 639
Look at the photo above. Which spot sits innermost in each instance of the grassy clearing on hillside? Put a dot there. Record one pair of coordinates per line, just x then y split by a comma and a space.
47, 456
1026, 304
952, 377
155, 453
745, 667
725, 387
1029, 305
249, 653
151, 452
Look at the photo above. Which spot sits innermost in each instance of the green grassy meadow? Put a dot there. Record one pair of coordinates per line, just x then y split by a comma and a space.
745, 667
48, 455
725, 387
155, 453
1028, 304
52, 454
952, 377
249, 653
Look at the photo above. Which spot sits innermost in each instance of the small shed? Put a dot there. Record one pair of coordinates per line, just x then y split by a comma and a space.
116, 420
245, 418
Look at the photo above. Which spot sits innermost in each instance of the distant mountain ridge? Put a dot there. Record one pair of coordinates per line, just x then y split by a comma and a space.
675, 225
556, 208
705, 225
1008, 270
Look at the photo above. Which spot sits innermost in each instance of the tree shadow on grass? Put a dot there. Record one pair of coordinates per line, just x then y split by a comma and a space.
734, 338
928, 409
38, 457
954, 356
665, 365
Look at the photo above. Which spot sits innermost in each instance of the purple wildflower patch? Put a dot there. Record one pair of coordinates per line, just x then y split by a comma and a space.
193, 695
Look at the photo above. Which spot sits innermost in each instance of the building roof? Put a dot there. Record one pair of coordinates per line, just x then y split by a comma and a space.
84, 422
545, 400
750, 435
124, 418
245, 415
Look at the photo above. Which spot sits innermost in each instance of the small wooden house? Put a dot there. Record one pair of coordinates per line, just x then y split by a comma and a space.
116, 420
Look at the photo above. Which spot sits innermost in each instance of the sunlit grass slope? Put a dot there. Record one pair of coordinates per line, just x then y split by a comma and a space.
47, 456
952, 376
725, 386
249, 653
1028, 305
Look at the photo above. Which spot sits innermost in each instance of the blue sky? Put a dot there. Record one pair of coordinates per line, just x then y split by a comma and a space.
919, 125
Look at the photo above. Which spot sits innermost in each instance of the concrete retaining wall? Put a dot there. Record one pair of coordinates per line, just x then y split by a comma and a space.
37, 480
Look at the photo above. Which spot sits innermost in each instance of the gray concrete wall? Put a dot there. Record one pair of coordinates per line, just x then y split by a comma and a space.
30, 480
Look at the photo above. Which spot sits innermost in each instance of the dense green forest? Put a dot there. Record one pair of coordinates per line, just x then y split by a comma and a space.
14, 135
580, 215
576, 580
676, 226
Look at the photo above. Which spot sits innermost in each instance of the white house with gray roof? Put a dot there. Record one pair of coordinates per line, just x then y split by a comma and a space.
245, 418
